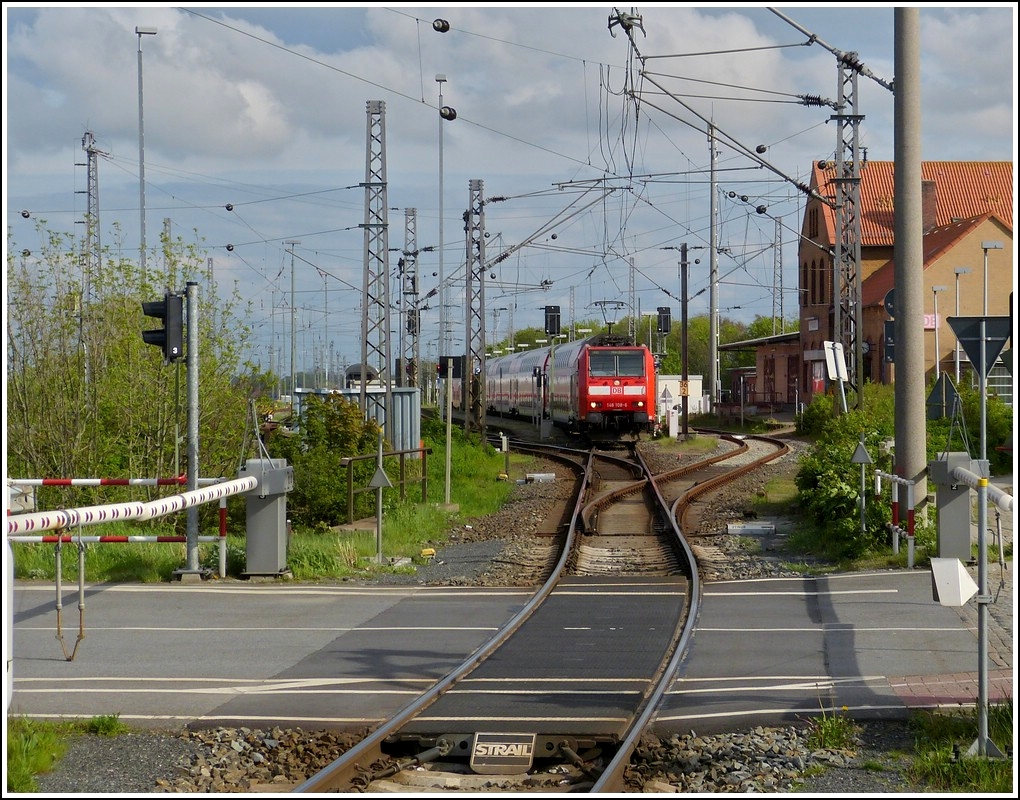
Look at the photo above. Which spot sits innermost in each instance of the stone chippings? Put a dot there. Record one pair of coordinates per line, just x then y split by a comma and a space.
237, 760
771, 760
500, 549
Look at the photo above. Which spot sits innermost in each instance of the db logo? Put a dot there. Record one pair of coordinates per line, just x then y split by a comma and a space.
616, 390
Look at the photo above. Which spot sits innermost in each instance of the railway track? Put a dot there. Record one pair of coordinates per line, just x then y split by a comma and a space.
558, 699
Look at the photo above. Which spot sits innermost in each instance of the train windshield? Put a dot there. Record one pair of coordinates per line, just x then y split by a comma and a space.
616, 363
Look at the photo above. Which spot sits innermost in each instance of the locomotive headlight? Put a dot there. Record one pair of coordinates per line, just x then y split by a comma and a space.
616, 382
640, 403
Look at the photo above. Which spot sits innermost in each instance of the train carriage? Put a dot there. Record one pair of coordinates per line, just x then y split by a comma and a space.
598, 385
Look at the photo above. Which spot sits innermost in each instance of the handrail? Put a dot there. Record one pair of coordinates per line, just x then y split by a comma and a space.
402, 480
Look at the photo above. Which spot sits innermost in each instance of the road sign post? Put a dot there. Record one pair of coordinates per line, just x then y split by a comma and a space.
982, 339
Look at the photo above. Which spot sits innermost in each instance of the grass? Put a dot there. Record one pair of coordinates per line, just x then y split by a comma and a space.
313, 553
778, 497
35, 747
940, 761
943, 741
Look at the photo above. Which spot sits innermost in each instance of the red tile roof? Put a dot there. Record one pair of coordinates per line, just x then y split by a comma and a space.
963, 189
934, 243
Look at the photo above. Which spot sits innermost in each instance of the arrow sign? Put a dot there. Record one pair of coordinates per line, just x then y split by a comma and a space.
968, 334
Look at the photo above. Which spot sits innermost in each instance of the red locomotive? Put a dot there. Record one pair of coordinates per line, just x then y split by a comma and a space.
601, 385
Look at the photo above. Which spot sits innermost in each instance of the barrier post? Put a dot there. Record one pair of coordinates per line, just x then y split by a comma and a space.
895, 504
910, 524
223, 537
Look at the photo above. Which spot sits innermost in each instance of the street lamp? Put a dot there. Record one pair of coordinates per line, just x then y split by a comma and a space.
141, 31
935, 301
985, 247
956, 349
445, 114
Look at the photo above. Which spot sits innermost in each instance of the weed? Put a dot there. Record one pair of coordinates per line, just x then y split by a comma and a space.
831, 730
32, 749
105, 725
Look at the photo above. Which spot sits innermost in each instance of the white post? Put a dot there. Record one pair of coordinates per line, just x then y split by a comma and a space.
449, 422
985, 247
956, 348
938, 353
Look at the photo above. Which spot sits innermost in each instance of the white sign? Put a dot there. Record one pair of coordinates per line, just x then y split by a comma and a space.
835, 364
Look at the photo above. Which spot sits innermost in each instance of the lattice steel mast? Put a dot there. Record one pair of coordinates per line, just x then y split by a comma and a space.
847, 322
375, 310
409, 290
474, 369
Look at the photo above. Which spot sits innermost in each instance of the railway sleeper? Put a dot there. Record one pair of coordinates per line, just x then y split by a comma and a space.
494, 753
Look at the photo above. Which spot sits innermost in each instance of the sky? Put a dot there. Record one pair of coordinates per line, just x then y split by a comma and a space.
592, 147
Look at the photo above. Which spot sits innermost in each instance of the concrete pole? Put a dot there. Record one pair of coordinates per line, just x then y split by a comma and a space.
684, 266
713, 299
909, 263
141, 31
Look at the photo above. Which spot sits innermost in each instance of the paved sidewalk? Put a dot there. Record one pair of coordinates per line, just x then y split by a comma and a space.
959, 689
962, 688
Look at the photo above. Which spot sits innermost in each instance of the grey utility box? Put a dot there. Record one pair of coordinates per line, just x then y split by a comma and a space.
266, 512
952, 503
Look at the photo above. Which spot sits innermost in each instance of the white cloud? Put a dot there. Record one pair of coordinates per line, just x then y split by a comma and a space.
265, 108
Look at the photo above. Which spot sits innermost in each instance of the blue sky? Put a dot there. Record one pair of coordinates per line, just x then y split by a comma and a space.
264, 109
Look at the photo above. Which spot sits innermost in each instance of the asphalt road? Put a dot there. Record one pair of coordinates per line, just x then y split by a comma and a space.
258, 654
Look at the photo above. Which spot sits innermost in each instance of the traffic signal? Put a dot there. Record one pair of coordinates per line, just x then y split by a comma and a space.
664, 320
552, 320
444, 364
169, 338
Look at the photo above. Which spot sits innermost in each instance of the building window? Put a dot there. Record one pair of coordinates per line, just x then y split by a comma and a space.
812, 223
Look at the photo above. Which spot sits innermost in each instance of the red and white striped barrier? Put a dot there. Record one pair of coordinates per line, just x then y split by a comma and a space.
20, 525
180, 480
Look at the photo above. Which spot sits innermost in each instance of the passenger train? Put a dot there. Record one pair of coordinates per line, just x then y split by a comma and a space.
601, 385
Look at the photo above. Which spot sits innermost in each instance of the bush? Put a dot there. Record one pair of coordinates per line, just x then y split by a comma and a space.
828, 486
328, 430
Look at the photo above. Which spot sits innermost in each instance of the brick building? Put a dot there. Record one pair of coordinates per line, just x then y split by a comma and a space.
967, 207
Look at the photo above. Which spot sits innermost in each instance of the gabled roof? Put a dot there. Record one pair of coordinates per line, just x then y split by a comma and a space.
933, 245
963, 189
762, 341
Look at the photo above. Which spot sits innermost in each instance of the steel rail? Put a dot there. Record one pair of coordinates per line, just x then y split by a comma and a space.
613, 777
366, 762
349, 768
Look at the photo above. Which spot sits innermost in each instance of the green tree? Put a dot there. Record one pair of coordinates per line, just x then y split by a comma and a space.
86, 397
760, 327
